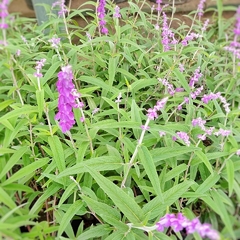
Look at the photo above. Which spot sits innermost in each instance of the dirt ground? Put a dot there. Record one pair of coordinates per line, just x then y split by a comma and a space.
21, 7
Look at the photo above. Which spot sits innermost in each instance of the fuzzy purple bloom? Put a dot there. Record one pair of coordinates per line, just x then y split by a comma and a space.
184, 137
54, 42
66, 100
61, 4
200, 8
117, 12
152, 112
101, 16
179, 222
190, 37
195, 78
4, 13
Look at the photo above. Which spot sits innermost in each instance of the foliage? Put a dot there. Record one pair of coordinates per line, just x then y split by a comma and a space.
118, 171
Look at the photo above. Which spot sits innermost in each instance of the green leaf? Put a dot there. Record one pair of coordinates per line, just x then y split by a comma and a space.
154, 208
164, 153
230, 176
206, 185
6, 103
58, 154
114, 124
50, 191
50, 72
40, 102
123, 201
175, 172
148, 164
106, 212
142, 83
25, 171
112, 64
100, 83
7, 200
222, 211
99, 164
182, 80
72, 210
19, 112
95, 232
205, 160
135, 117
13, 160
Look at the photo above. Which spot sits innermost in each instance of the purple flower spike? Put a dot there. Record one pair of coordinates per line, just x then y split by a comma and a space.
180, 222
3, 13
101, 16
117, 12
66, 99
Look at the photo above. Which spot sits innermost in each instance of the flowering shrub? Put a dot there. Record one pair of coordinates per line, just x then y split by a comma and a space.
127, 128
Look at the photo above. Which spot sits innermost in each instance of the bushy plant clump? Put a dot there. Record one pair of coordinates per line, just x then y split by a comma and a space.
127, 128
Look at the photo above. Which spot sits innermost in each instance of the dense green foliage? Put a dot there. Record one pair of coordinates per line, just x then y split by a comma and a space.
70, 186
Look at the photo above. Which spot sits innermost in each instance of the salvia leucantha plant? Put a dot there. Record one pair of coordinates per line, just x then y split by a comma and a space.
126, 128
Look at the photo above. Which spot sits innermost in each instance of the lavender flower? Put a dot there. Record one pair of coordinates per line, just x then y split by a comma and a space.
196, 93
38, 67
117, 12
238, 152
169, 86
152, 112
184, 137
181, 67
63, 9
101, 16
66, 100
200, 8
195, 78
4, 13
190, 37
54, 42
222, 132
179, 222
237, 25
166, 33
213, 96
159, 5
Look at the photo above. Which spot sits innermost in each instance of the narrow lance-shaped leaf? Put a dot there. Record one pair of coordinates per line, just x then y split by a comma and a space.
57, 150
124, 202
148, 164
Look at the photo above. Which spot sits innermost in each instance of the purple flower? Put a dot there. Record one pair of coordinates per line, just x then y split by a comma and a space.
222, 132
184, 137
199, 122
195, 78
190, 37
213, 96
196, 93
181, 67
237, 25
238, 152
66, 100
101, 16
159, 5
200, 8
169, 86
117, 12
152, 112
3, 15
166, 34
62, 6
180, 222
55, 42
